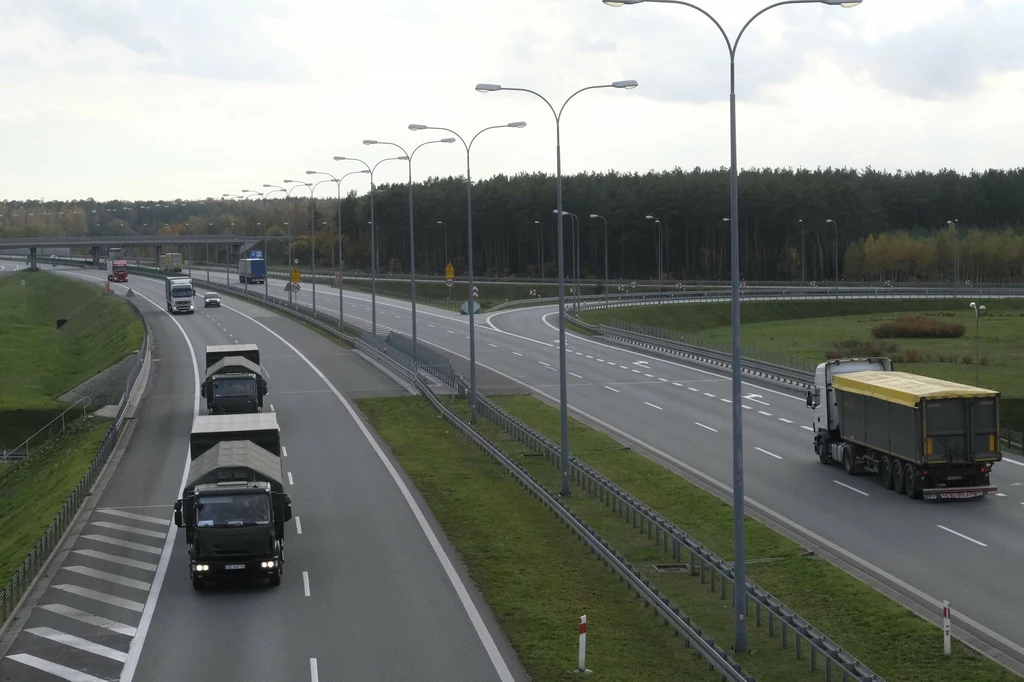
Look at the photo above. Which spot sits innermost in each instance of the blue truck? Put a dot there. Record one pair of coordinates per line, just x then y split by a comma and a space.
252, 270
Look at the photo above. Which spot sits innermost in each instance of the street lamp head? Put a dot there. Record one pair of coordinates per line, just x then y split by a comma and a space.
340, 158
368, 142
447, 140
268, 185
487, 87
310, 172
830, 221
401, 158
290, 181
726, 220
620, 3
982, 309
517, 124
440, 223
417, 126
650, 217
973, 306
625, 85
847, 4
594, 215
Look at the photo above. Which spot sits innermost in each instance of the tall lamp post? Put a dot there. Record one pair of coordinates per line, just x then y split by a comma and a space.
835, 253
228, 255
266, 238
955, 224
312, 229
595, 216
469, 248
412, 238
445, 226
563, 391
740, 569
658, 224
373, 236
341, 272
541, 240
979, 310
574, 254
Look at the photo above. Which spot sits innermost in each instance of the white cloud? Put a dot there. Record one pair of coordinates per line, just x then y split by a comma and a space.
142, 99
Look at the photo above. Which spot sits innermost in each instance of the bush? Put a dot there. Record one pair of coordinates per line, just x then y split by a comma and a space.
917, 327
911, 355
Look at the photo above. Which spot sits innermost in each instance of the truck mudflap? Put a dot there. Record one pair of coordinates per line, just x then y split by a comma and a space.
965, 493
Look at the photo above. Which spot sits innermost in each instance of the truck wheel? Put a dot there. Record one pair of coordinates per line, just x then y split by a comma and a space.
275, 578
910, 482
885, 472
848, 463
821, 449
897, 477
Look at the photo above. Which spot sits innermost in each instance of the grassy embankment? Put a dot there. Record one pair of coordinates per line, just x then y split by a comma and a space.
809, 329
890, 639
537, 579
33, 491
38, 362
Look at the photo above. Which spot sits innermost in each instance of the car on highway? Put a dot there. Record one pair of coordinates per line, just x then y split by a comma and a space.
210, 299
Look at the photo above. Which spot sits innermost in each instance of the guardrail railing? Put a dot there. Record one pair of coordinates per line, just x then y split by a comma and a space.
19, 583
22, 450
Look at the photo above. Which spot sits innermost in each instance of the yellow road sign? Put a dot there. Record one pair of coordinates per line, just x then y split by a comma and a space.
449, 272
295, 275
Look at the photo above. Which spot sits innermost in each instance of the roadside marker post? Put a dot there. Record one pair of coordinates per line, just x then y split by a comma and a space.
583, 646
945, 628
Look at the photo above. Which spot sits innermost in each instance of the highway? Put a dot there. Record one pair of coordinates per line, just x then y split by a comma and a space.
967, 552
371, 590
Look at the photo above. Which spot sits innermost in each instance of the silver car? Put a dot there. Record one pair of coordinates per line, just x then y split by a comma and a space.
210, 299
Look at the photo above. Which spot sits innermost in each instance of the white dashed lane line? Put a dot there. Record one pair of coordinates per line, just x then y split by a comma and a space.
615, 390
703, 426
850, 487
961, 535
770, 454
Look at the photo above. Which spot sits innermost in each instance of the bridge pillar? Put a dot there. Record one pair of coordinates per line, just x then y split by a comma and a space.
33, 264
156, 256
95, 255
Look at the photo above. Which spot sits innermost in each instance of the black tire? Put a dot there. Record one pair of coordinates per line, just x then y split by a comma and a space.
898, 480
275, 578
822, 450
910, 482
885, 472
198, 583
848, 463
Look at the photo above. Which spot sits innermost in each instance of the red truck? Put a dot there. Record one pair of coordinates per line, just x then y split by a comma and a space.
117, 271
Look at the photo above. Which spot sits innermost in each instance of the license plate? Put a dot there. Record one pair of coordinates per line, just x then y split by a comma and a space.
954, 478
234, 567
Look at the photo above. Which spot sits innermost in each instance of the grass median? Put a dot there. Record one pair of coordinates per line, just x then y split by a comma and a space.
535, 576
33, 490
887, 637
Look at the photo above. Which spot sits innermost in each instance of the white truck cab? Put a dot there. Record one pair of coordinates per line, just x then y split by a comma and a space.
826, 420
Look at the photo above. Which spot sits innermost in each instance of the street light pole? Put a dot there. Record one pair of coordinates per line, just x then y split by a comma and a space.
562, 369
739, 561
605, 220
955, 224
803, 271
445, 225
341, 271
658, 224
373, 237
979, 310
469, 246
412, 238
266, 244
227, 256
312, 230
835, 252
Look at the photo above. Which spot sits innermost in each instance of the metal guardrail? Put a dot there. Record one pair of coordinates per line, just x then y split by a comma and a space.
21, 581
1013, 439
22, 451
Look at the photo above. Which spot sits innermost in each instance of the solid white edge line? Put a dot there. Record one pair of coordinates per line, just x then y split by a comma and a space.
467, 602
961, 535
142, 630
305, 583
850, 487
771, 454
1012, 461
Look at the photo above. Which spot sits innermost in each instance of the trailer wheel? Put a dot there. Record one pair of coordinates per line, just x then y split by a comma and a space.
885, 472
898, 480
910, 482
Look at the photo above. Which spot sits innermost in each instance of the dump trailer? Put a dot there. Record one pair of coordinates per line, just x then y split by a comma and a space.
233, 507
252, 270
921, 437
235, 380
179, 294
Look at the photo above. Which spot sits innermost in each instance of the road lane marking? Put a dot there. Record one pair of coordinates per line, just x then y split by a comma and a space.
850, 487
771, 454
649, 376
806, 428
515, 353
636, 371
705, 427
676, 383
1013, 461
55, 669
144, 565
298, 526
129, 529
961, 535
665, 380
691, 388
103, 598
653, 405
492, 345
710, 395
767, 414
136, 517
123, 543
432, 326
305, 583
79, 643
109, 577
543, 363
90, 619
314, 674
290, 481
575, 375
615, 390
449, 331
284, 451
784, 420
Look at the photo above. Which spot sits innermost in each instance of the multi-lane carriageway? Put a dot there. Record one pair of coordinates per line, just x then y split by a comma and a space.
371, 590
965, 552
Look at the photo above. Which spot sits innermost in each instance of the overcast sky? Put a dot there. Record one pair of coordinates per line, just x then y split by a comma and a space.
161, 99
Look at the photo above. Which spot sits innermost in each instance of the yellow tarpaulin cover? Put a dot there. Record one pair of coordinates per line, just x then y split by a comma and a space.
905, 389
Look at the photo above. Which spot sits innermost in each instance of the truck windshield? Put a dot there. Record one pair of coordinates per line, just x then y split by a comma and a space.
120, 267
249, 509
181, 292
234, 388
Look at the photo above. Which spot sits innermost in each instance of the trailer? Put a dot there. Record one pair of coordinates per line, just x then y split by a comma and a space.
260, 428
922, 437
252, 270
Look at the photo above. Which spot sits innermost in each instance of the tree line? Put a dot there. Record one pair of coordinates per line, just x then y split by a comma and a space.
885, 226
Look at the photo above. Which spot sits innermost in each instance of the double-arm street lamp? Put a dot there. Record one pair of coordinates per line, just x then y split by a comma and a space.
595, 216
266, 239
228, 255
412, 238
739, 559
312, 229
341, 272
373, 235
574, 253
562, 369
469, 247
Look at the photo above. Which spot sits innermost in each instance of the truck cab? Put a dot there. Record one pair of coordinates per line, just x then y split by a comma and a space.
234, 382
179, 294
827, 420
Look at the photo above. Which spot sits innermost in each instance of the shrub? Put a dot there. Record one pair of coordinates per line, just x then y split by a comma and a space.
917, 327
911, 355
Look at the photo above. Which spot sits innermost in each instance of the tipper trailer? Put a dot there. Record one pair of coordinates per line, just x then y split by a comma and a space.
235, 380
921, 437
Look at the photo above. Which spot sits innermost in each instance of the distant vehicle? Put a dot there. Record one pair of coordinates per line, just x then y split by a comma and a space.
922, 437
179, 295
170, 262
211, 299
234, 380
117, 270
233, 507
252, 270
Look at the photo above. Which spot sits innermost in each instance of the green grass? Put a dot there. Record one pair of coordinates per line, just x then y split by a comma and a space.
33, 491
806, 330
887, 637
39, 362
536, 577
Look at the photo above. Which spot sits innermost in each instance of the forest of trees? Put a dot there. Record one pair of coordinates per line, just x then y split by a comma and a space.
887, 226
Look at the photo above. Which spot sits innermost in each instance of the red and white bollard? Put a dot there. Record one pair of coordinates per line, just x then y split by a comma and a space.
945, 628
583, 646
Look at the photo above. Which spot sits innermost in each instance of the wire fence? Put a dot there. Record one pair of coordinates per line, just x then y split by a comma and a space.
23, 577
66, 419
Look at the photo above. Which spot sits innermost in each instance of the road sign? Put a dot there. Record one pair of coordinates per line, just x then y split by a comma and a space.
449, 272
476, 293
295, 275
295, 287
633, 284
255, 254
449, 282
